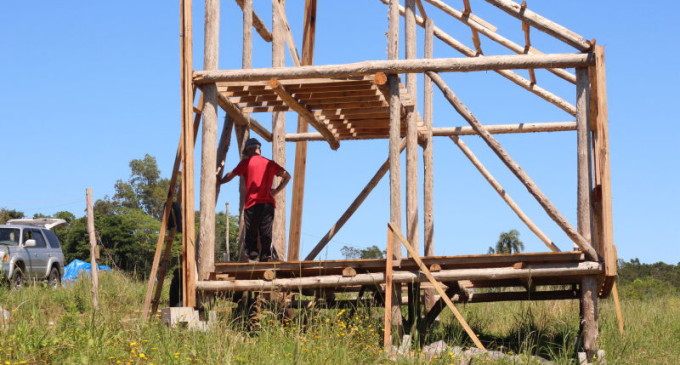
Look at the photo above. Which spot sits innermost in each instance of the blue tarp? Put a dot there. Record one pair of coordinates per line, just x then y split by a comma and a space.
74, 268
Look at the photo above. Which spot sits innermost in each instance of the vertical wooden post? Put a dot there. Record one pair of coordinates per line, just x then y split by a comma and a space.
428, 160
227, 251
583, 156
93, 248
395, 135
301, 147
279, 139
188, 227
387, 334
412, 159
590, 333
206, 236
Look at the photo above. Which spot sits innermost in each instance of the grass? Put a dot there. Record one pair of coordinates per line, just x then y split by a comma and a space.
59, 327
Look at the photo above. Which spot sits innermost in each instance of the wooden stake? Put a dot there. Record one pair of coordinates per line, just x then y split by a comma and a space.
617, 307
515, 168
93, 249
503, 193
436, 285
299, 171
352, 207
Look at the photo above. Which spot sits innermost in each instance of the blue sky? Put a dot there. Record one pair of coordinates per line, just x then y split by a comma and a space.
88, 86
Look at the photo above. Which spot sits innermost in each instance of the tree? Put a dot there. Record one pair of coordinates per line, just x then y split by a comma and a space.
372, 252
145, 189
508, 242
6, 214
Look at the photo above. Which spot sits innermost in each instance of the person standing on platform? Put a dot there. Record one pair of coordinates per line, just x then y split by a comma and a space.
258, 173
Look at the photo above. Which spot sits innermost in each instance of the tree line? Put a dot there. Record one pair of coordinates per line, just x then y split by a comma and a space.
127, 224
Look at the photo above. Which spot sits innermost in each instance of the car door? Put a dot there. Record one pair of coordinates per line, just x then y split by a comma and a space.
37, 265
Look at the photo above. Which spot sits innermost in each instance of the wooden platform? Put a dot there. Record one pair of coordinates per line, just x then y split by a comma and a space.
529, 271
352, 108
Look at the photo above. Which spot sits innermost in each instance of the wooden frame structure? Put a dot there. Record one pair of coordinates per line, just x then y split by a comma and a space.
367, 100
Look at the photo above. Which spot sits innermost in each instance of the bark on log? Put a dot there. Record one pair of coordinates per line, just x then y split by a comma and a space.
482, 63
583, 155
278, 141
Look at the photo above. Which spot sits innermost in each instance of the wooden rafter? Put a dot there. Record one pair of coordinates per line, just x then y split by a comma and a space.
304, 113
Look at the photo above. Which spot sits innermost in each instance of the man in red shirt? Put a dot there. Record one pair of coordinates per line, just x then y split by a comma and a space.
258, 173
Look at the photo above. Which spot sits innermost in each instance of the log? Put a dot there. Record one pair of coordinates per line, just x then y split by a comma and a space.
583, 156
515, 168
482, 63
247, 57
476, 24
589, 328
387, 332
428, 160
373, 279
503, 193
305, 113
279, 11
206, 237
188, 225
352, 207
257, 23
279, 134
542, 24
411, 131
296, 208
349, 272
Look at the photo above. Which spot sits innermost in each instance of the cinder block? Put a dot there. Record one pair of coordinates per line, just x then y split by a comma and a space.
174, 315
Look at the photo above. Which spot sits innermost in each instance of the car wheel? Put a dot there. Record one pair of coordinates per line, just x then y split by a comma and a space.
54, 279
18, 280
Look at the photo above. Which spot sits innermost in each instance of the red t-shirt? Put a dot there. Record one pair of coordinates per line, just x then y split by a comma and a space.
259, 173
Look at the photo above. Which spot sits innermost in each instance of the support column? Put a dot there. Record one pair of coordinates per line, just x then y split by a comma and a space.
583, 155
206, 238
395, 169
428, 161
301, 147
589, 328
279, 140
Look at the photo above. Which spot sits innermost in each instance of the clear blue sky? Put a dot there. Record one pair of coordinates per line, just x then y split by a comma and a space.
87, 86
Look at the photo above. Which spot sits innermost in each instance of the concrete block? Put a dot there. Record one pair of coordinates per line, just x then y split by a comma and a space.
179, 315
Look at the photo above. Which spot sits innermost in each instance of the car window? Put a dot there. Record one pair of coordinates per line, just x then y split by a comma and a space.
52, 239
35, 235
9, 236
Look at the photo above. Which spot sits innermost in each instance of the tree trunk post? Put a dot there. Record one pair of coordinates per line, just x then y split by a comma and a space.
93, 250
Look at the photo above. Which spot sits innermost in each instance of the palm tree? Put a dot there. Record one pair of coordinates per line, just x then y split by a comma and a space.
508, 242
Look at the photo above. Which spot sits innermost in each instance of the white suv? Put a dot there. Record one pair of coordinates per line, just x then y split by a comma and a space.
30, 250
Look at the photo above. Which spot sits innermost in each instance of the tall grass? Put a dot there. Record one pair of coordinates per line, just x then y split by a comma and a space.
59, 327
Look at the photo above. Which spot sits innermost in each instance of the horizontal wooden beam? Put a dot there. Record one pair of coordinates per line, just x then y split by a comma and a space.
481, 63
466, 130
330, 281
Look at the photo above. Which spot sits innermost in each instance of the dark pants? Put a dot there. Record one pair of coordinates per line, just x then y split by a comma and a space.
259, 220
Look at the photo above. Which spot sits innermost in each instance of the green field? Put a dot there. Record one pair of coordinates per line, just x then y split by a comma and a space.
60, 327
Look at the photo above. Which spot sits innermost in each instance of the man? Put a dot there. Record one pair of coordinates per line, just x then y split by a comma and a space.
258, 173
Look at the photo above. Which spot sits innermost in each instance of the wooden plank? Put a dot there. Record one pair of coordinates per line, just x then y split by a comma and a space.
258, 24
414, 254
516, 169
304, 113
352, 207
485, 63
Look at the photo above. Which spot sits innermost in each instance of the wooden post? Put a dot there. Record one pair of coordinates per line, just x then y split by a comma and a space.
516, 169
428, 161
395, 135
188, 227
583, 156
206, 236
93, 248
300, 169
279, 137
590, 333
242, 135
387, 333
